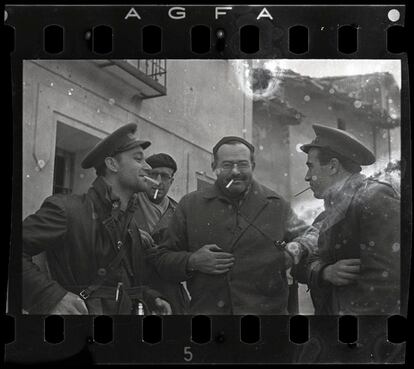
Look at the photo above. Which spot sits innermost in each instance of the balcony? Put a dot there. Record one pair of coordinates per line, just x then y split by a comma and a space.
147, 76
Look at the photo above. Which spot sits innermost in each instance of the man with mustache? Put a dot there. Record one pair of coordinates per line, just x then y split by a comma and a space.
94, 248
153, 215
227, 241
356, 269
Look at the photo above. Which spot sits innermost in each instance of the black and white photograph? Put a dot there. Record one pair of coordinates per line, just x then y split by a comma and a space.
211, 187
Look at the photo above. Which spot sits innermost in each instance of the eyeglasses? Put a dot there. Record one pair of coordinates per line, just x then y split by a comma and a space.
163, 176
228, 165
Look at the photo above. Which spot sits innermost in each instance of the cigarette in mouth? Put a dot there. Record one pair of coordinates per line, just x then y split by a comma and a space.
151, 180
230, 183
156, 194
299, 193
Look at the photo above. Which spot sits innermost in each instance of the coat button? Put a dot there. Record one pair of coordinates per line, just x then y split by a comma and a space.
101, 271
221, 304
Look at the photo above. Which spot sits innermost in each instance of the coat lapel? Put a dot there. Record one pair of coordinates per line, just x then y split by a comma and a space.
254, 204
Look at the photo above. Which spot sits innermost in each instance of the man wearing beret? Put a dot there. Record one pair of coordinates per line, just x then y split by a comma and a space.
227, 241
153, 216
94, 248
356, 269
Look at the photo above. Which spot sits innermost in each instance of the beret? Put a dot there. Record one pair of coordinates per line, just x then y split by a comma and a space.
120, 140
228, 139
162, 160
342, 143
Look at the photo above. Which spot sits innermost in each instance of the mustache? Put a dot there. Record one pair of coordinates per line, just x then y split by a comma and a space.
236, 178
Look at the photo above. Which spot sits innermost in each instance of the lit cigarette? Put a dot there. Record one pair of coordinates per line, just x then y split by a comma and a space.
299, 193
230, 183
156, 194
152, 180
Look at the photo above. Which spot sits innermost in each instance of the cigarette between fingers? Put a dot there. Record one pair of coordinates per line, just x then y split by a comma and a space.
230, 183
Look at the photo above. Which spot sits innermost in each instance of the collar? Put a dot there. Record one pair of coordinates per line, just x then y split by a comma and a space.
255, 188
340, 200
109, 199
333, 194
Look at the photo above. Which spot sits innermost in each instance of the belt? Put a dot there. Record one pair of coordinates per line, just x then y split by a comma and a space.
124, 295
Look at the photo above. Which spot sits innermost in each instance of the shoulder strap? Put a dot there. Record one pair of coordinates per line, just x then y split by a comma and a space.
114, 264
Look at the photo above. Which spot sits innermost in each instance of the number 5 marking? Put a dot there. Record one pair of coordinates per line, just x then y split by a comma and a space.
188, 355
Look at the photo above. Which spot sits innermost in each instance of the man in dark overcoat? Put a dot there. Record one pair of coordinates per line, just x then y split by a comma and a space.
228, 241
356, 269
94, 248
153, 216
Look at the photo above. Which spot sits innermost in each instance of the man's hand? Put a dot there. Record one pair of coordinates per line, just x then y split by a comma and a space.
343, 272
288, 260
70, 304
211, 259
162, 307
295, 251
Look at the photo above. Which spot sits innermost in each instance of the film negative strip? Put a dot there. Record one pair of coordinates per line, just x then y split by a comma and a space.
209, 184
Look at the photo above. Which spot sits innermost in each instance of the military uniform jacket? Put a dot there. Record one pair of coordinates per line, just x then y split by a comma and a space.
78, 233
257, 282
364, 222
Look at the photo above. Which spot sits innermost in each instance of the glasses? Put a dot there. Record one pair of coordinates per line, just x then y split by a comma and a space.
163, 176
241, 166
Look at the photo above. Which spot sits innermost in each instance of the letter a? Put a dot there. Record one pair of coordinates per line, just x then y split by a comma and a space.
132, 14
264, 14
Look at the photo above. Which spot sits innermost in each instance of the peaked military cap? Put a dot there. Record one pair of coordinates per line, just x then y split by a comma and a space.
341, 142
162, 160
227, 139
120, 140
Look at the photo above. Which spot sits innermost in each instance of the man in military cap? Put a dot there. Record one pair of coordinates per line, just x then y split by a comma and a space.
94, 248
356, 269
227, 241
153, 215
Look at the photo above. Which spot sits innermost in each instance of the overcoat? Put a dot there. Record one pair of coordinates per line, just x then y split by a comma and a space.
251, 231
364, 222
172, 291
79, 234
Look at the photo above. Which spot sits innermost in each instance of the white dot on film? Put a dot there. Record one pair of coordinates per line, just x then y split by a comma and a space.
357, 104
314, 178
394, 15
306, 98
396, 247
